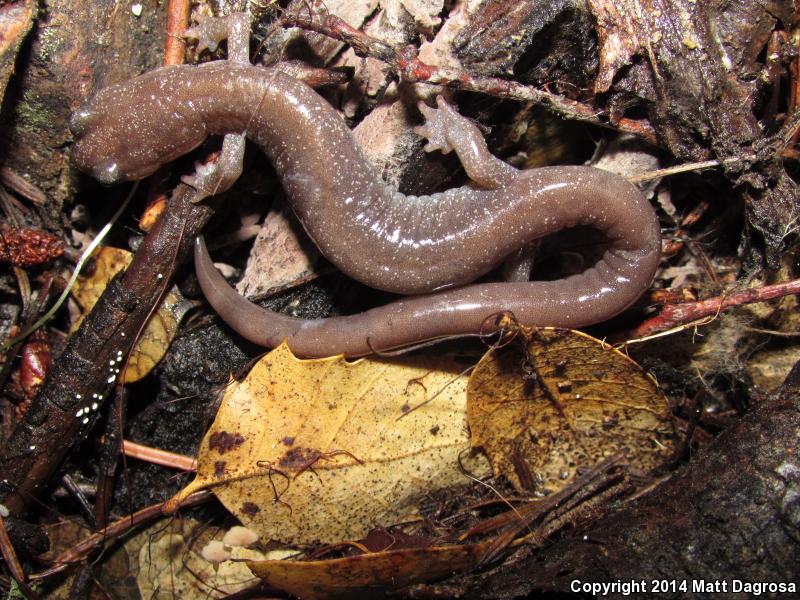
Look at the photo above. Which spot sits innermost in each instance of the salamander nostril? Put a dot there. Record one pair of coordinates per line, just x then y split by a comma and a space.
79, 121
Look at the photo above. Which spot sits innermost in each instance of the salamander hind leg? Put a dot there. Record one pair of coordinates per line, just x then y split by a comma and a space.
438, 122
446, 130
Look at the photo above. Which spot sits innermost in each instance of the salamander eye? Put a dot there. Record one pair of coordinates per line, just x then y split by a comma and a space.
79, 121
107, 171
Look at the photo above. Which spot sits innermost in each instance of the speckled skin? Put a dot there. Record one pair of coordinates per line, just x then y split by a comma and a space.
403, 244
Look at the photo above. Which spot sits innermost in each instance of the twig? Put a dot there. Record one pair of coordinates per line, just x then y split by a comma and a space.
177, 22
13, 564
680, 315
83, 548
583, 494
15, 181
108, 458
74, 490
76, 386
313, 16
788, 334
696, 166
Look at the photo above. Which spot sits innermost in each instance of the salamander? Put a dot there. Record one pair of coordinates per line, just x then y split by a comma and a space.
430, 246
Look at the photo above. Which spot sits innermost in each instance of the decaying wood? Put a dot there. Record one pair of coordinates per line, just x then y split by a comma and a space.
74, 392
734, 512
694, 67
549, 43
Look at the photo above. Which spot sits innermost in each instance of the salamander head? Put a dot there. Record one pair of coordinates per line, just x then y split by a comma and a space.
127, 131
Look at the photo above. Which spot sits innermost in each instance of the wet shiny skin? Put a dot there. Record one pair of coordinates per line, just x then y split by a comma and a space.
406, 244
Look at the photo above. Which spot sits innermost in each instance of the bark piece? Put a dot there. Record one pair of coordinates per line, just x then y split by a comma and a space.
542, 41
16, 19
281, 255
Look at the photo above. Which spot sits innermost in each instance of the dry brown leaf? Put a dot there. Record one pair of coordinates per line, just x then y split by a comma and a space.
160, 329
282, 255
366, 575
567, 403
307, 451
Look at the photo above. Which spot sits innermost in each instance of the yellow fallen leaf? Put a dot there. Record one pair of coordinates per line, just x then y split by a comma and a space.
366, 575
308, 451
160, 329
555, 401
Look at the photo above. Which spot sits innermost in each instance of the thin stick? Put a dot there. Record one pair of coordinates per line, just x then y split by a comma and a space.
177, 22
157, 456
83, 548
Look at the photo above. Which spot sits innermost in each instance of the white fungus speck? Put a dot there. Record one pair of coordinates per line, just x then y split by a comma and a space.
215, 552
240, 536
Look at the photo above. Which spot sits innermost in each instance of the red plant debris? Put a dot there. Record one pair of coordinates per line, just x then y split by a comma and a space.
27, 247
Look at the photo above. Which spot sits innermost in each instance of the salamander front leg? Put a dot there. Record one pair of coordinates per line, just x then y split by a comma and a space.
210, 31
446, 130
219, 176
